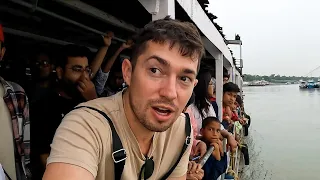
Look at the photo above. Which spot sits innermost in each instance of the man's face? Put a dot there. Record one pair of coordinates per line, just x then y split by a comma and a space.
43, 67
229, 98
211, 132
160, 85
75, 69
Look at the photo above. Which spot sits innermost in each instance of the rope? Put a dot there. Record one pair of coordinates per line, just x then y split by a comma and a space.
232, 173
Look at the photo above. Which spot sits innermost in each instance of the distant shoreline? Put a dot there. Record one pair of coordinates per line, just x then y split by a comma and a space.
246, 85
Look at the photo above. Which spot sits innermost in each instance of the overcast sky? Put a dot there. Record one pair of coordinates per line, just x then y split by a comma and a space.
279, 36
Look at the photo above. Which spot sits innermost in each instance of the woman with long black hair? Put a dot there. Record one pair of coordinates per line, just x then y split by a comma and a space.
202, 106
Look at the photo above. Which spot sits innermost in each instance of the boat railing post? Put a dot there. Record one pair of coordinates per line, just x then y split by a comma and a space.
219, 82
219, 58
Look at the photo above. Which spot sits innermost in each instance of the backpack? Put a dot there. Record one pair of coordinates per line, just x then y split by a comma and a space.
119, 153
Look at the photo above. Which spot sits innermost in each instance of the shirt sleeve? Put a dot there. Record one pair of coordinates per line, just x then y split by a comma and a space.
100, 81
77, 141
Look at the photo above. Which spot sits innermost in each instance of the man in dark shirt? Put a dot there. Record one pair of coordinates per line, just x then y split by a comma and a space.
74, 86
42, 75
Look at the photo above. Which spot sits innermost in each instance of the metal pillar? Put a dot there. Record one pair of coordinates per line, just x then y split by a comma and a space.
219, 82
159, 8
97, 13
231, 72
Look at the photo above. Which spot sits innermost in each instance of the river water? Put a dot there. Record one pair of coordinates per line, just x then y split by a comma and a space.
285, 130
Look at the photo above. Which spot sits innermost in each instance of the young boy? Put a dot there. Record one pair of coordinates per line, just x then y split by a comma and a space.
217, 162
230, 91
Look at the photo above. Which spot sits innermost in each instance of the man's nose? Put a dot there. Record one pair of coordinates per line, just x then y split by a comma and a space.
85, 74
169, 89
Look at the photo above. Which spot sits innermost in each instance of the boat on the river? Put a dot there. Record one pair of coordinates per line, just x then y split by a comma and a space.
257, 83
311, 84
303, 84
317, 84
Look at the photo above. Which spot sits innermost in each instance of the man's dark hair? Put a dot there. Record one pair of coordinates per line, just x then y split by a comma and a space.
174, 32
72, 50
208, 120
239, 100
230, 87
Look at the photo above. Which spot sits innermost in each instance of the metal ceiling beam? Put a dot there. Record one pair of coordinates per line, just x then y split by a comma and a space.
25, 4
97, 13
39, 37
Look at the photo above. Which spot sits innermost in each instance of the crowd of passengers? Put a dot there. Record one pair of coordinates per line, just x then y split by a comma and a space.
44, 101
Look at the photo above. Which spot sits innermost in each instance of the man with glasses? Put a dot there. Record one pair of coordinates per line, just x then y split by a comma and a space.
145, 118
42, 80
73, 87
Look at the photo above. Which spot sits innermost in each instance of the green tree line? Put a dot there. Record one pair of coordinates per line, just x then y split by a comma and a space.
275, 78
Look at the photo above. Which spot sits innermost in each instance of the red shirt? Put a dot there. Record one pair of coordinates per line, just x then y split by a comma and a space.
234, 116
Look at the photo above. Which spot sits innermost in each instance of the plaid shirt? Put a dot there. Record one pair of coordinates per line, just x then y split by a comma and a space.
18, 106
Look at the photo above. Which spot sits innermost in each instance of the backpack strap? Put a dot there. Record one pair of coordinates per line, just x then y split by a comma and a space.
185, 145
119, 153
7, 175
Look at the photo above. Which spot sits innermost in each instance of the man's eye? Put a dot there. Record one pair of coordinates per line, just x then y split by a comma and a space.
185, 79
154, 70
77, 69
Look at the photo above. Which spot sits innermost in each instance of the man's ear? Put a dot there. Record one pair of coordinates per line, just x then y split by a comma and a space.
59, 72
2, 52
127, 71
195, 82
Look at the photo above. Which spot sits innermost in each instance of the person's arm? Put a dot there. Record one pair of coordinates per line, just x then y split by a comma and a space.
103, 73
230, 139
110, 61
43, 159
100, 81
96, 63
63, 171
179, 178
195, 171
216, 151
75, 148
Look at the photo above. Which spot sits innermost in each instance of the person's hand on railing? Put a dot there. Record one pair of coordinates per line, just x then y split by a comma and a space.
200, 149
218, 149
242, 121
108, 38
195, 171
232, 144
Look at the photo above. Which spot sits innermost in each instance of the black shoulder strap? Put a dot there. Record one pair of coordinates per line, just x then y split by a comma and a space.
119, 154
185, 145
7, 175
